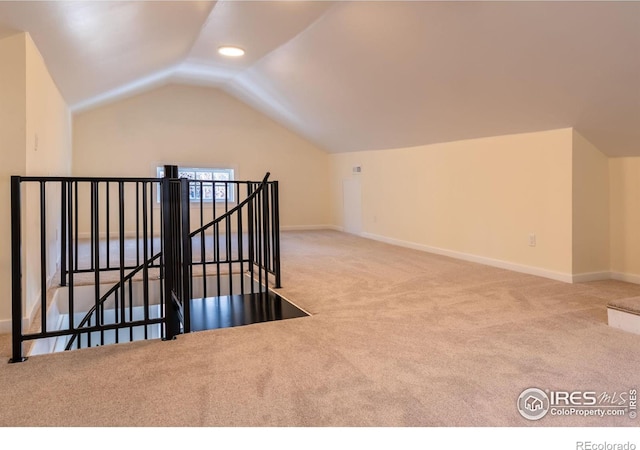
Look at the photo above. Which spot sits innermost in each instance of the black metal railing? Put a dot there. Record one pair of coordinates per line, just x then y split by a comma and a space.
175, 225
129, 242
243, 240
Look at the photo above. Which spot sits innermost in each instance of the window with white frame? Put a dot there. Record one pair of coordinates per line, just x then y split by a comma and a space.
210, 183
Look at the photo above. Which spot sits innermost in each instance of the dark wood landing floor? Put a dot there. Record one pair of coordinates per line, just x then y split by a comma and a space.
237, 310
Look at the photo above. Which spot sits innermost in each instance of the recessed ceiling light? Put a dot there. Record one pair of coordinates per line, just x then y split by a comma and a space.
230, 51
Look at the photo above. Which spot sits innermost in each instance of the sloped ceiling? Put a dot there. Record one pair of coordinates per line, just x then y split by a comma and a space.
362, 75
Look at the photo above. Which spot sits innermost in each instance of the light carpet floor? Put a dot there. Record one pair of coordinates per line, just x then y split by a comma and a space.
397, 338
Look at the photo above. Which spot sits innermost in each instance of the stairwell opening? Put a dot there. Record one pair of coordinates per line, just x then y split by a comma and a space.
225, 310
131, 268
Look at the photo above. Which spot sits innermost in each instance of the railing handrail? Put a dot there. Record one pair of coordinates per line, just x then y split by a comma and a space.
104, 298
123, 179
233, 210
92, 179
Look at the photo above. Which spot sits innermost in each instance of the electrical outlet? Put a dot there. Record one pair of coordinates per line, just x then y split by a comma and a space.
532, 240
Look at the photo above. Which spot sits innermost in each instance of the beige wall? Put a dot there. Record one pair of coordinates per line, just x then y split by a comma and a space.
624, 176
47, 153
12, 146
480, 197
202, 127
590, 208
32, 106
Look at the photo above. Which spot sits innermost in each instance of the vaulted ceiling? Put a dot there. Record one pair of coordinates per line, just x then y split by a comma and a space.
362, 75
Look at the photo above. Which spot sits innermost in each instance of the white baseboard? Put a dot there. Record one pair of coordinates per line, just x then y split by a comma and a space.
628, 277
29, 317
591, 276
565, 277
6, 326
309, 227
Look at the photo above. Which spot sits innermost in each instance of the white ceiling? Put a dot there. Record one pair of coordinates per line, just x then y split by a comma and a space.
362, 75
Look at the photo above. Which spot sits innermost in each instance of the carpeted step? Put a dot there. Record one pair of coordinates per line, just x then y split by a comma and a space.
627, 305
624, 314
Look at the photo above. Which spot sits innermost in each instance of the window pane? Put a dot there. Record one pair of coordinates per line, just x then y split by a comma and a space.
221, 191
194, 191
207, 191
203, 185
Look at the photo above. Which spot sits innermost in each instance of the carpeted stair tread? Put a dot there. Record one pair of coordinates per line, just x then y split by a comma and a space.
629, 305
